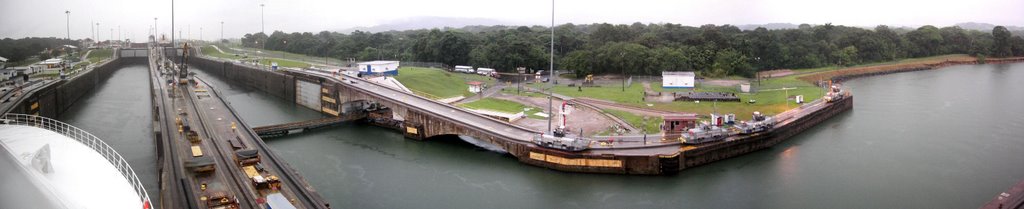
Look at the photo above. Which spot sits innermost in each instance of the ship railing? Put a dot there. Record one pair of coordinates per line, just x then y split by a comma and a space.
87, 139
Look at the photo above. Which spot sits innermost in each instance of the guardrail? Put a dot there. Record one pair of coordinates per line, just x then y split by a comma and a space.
87, 139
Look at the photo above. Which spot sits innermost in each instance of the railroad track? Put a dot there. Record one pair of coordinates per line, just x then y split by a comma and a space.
594, 102
176, 174
290, 175
233, 173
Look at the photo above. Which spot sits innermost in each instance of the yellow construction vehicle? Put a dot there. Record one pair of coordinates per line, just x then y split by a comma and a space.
589, 81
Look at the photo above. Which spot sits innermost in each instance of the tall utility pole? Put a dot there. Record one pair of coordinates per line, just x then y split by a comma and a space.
222, 30
97, 32
200, 33
68, 13
263, 22
119, 38
551, 69
172, 24
156, 35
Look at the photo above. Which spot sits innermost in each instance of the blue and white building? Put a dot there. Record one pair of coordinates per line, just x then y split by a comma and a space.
380, 67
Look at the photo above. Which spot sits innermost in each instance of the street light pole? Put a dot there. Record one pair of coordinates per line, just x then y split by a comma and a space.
172, 24
221, 30
156, 36
68, 13
263, 22
551, 68
622, 56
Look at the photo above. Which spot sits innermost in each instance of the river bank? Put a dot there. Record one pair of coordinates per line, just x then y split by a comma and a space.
854, 72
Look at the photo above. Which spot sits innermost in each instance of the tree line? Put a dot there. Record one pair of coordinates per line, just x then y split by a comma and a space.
16, 50
648, 49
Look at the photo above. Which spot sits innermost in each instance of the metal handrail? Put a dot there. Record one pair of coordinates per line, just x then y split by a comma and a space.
87, 139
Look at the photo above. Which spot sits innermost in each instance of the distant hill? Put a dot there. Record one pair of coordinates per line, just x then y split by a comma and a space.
414, 23
769, 26
985, 27
477, 24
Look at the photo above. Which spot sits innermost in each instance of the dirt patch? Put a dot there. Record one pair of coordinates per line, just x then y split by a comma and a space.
588, 119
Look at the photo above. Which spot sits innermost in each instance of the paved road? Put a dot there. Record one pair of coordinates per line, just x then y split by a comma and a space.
487, 93
482, 123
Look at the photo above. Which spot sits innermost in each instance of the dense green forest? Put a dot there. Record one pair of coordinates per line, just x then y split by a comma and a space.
712, 50
16, 50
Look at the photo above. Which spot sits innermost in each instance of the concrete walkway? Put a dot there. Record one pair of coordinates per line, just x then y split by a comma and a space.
86, 55
218, 49
618, 120
487, 93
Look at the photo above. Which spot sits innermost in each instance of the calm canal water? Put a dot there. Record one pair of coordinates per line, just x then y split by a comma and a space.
118, 111
948, 138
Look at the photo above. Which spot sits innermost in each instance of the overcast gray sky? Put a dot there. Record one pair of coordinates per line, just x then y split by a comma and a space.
23, 18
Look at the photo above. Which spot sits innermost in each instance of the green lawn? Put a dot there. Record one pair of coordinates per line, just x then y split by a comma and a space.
769, 102
281, 54
45, 75
650, 125
284, 63
210, 51
438, 84
99, 54
500, 105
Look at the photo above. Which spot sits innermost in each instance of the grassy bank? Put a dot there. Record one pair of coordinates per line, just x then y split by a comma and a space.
210, 51
284, 63
828, 73
281, 55
650, 125
99, 54
436, 83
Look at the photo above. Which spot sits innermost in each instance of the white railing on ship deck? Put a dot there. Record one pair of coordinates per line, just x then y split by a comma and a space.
85, 138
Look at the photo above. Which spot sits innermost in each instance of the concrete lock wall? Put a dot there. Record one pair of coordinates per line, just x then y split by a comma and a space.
274, 83
52, 100
134, 53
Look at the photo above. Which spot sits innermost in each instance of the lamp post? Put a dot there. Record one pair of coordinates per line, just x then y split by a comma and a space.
172, 24
68, 23
263, 22
221, 30
551, 74
263, 28
156, 36
622, 56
